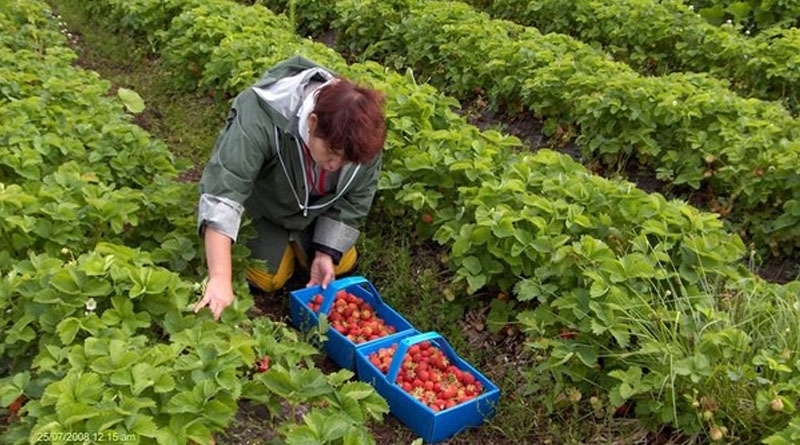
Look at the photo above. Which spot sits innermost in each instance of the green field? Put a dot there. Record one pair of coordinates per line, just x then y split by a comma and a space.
511, 219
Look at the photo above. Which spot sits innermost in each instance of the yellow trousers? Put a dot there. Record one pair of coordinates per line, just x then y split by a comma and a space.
270, 282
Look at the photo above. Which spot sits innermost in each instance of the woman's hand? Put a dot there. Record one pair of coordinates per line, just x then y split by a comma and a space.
321, 270
217, 296
219, 290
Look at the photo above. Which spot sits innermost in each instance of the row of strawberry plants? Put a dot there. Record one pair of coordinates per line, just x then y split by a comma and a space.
659, 37
585, 247
755, 14
76, 170
98, 340
687, 130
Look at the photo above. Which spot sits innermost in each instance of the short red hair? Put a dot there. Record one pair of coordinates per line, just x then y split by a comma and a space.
350, 118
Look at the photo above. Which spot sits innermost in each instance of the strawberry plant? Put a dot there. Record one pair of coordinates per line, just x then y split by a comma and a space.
307, 404
689, 130
597, 255
98, 341
755, 14
661, 37
194, 33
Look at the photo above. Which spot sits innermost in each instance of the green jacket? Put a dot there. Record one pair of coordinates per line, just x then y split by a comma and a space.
258, 165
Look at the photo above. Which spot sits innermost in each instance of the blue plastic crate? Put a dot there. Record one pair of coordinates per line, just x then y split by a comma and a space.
338, 347
431, 426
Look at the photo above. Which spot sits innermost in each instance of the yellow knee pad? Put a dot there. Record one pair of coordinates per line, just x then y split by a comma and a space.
346, 263
270, 282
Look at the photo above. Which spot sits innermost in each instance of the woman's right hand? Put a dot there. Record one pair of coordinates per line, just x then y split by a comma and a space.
217, 296
219, 290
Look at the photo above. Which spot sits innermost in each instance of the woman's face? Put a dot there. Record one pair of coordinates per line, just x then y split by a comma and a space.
320, 149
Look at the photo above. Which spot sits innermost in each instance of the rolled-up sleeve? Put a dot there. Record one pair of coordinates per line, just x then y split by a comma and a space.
334, 234
337, 229
221, 214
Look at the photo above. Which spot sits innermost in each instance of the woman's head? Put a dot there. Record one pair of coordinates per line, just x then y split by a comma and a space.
349, 120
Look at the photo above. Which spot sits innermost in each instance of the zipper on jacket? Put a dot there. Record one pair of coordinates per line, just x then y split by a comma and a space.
286, 172
304, 205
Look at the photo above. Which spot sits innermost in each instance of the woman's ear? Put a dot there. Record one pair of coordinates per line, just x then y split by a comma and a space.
312, 123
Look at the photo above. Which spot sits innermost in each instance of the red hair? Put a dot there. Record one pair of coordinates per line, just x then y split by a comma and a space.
350, 118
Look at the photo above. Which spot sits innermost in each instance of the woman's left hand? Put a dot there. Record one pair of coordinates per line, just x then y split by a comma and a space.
321, 270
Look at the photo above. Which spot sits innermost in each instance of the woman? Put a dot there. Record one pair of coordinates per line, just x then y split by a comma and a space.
301, 154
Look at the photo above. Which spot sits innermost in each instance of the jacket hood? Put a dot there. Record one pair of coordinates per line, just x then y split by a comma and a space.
286, 94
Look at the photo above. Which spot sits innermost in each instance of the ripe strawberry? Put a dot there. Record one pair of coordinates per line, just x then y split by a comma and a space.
353, 317
16, 405
427, 374
262, 365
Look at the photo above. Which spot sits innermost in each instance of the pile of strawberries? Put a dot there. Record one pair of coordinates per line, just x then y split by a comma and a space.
353, 317
428, 376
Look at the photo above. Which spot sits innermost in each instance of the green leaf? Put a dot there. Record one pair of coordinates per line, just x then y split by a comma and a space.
475, 282
338, 378
357, 390
120, 378
68, 329
461, 246
70, 413
358, 436
303, 435
199, 433
529, 288
352, 409
480, 235
739, 10
297, 384
504, 227
142, 425
67, 282
472, 264
89, 388
184, 402
142, 374
499, 315
587, 355
166, 436
218, 412
131, 99
165, 383
329, 427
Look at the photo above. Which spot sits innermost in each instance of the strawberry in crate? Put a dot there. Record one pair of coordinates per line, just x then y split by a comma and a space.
353, 317
427, 374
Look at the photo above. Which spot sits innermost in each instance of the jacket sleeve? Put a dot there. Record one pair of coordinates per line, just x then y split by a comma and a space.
337, 229
239, 153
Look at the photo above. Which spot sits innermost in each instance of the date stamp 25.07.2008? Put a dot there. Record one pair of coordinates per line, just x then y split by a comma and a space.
85, 437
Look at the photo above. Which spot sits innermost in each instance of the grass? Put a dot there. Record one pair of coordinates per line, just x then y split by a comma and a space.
187, 123
410, 272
